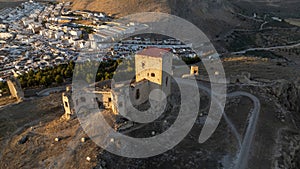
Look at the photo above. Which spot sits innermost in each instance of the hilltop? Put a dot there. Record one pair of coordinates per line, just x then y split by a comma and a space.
212, 18
215, 18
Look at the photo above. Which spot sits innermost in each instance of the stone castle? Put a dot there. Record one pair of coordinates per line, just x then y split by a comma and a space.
153, 71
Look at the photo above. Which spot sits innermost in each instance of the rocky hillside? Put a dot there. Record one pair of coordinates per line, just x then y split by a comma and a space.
213, 17
121, 8
288, 93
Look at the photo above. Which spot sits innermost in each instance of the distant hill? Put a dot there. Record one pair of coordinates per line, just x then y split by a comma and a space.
123, 7
9, 3
212, 17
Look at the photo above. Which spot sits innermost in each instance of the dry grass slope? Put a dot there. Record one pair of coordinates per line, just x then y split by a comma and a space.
121, 8
211, 17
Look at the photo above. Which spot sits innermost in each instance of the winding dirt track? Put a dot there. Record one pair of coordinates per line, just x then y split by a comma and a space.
268, 48
243, 155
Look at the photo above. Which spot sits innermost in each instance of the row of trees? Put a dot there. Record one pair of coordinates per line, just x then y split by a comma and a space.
57, 75
90, 71
64, 73
48, 76
95, 71
189, 60
3, 87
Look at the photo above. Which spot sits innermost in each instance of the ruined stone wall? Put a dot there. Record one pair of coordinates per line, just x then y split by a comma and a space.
106, 99
139, 93
244, 77
68, 106
15, 88
128, 96
166, 85
194, 70
167, 74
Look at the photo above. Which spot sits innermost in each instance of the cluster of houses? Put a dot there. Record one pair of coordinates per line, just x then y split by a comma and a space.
38, 35
22, 44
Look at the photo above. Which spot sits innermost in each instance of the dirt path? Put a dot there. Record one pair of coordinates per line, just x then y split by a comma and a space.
268, 48
243, 155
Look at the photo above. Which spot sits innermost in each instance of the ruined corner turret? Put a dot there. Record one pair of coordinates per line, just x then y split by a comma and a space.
15, 88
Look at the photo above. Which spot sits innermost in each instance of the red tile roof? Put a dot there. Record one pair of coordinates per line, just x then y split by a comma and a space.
154, 52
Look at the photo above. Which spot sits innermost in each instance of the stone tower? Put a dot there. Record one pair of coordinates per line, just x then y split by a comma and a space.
155, 66
195, 70
68, 103
153, 71
15, 88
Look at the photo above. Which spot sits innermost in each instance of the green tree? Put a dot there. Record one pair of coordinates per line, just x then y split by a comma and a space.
38, 77
107, 75
62, 72
23, 81
30, 82
3, 86
43, 80
58, 79
68, 72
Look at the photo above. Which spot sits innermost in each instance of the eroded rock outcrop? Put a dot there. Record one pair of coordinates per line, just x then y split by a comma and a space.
288, 94
288, 152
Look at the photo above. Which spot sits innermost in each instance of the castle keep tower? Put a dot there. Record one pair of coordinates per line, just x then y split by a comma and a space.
153, 70
155, 66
